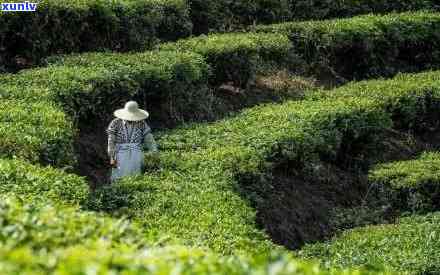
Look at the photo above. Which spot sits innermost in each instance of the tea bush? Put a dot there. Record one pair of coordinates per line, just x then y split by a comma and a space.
324, 9
193, 194
38, 223
42, 237
213, 16
409, 113
409, 247
414, 184
102, 258
35, 131
192, 197
364, 46
235, 57
90, 85
33, 181
60, 26
210, 15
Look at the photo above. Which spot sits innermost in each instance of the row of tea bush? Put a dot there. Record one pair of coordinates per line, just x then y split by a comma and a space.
173, 82
190, 191
42, 238
172, 85
368, 46
193, 197
43, 231
231, 15
64, 26
411, 185
409, 247
60, 26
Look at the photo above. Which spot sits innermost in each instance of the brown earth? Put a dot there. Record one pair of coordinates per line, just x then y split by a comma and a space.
297, 206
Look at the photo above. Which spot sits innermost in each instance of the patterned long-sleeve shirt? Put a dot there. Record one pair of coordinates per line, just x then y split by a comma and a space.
122, 131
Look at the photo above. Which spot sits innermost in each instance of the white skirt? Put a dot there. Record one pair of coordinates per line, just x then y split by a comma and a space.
129, 159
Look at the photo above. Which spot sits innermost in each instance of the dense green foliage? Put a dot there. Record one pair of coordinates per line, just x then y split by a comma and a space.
211, 15
364, 46
409, 113
193, 195
235, 57
168, 260
410, 247
410, 173
63, 26
40, 224
40, 237
45, 137
90, 85
414, 184
322, 9
32, 181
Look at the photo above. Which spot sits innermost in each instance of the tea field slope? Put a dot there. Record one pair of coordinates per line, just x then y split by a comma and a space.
190, 191
196, 208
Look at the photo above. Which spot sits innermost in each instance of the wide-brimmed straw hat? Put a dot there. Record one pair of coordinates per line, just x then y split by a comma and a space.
131, 112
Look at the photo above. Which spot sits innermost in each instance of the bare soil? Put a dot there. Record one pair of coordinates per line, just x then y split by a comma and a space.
296, 207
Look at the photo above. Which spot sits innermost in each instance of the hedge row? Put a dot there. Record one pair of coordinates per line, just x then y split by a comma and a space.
409, 247
41, 237
32, 181
37, 132
190, 191
172, 82
361, 47
80, 26
40, 224
413, 185
193, 196
364, 47
102, 258
91, 91
173, 85
235, 57
63, 26
210, 15
423, 85
93, 84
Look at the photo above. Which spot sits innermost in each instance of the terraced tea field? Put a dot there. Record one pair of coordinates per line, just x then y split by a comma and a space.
295, 137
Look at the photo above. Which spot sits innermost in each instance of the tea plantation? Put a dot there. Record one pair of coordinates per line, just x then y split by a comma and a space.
336, 172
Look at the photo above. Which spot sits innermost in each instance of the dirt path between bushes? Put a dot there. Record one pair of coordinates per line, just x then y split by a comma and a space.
297, 207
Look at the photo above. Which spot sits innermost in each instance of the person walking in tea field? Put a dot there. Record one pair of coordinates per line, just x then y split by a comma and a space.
128, 135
